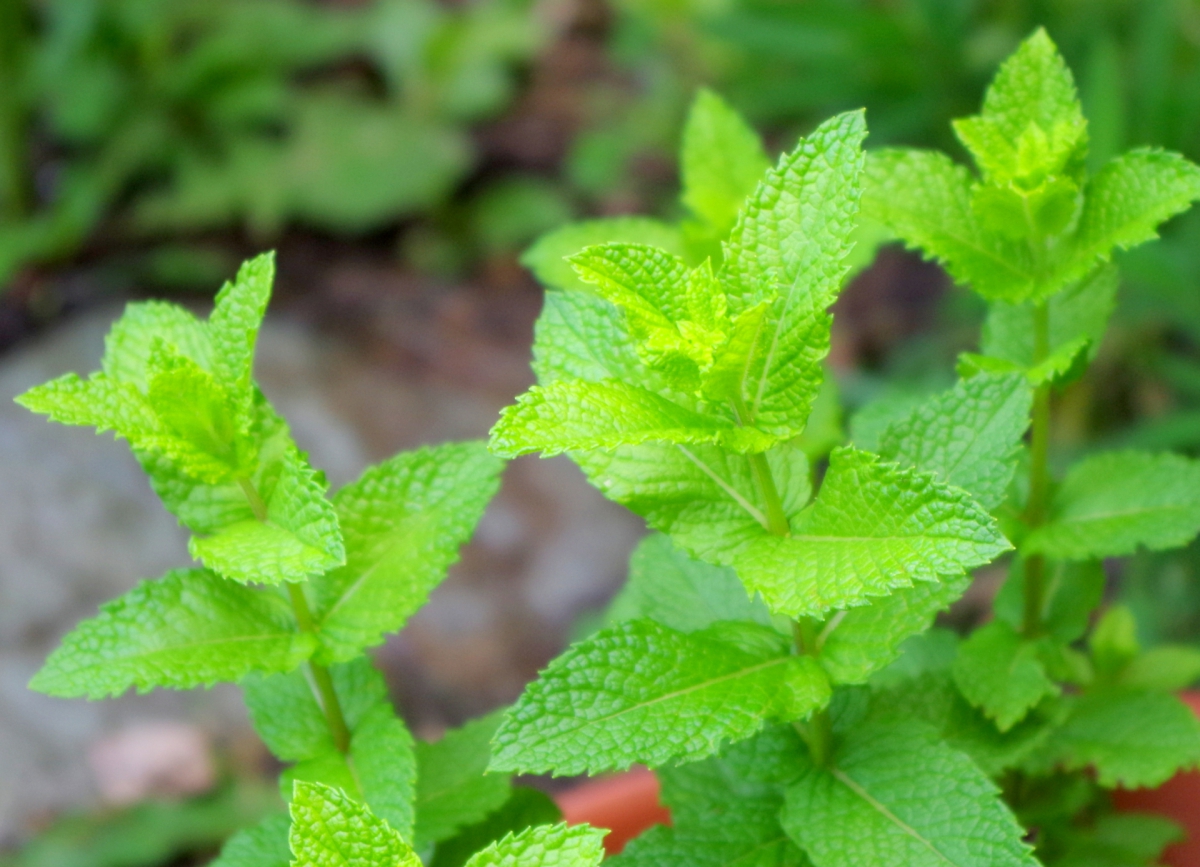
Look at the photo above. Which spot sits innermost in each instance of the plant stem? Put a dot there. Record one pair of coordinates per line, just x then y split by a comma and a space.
777, 522
322, 681
817, 733
1039, 476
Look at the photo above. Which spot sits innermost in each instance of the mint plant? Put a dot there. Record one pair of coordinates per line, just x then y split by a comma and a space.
772, 652
294, 589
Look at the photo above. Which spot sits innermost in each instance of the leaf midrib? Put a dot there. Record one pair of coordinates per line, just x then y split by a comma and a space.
861, 792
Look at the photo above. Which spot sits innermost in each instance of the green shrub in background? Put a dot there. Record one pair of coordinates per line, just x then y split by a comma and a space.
201, 114
772, 651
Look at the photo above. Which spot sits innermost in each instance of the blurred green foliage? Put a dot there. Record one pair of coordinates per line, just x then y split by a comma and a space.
150, 833
192, 115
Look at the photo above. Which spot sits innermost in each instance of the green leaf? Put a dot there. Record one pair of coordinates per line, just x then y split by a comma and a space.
188, 628
524, 808
581, 336
721, 162
264, 845
641, 692
99, 402
545, 846
1082, 310
574, 416
1001, 673
724, 810
873, 528
860, 641
128, 344
925, 198
1110, 504
1033, 88
1121, 840
1125, 203
380, 768
789, 249
932, 698
969, 436
675, 590
1114, 642
299, 538
403, 521
234, 323
454, 789
1072, 594
330, 829
1132, 738
1168, 668
703, 497
893, 795
548, 257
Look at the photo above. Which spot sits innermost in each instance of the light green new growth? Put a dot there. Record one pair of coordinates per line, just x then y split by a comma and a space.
180, 391
641, 692
894, 796
404, 521
544, 846
1034, 224
188, 628
720, 163
1111, 503
330, 829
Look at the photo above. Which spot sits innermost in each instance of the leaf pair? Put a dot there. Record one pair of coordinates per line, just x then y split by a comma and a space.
1033, 225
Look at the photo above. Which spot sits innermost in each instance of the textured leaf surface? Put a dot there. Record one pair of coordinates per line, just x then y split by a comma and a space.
545, 846
895, 796
1000, 673
721, 162
724, 810
188, 628
862, 640
569, 416
548, 257
381, 766
925, 199
1112, 503
1126, 202
128, 343
968, 436
525, 808
330, 829
675, 590
235, 321
453, 787
300, 537
789, 249
1132, 738
873, 528
581, 336
264, 845
641, 692
705, 498
403, 521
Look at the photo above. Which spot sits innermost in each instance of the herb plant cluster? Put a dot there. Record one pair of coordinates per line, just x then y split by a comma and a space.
294, 588
772, 651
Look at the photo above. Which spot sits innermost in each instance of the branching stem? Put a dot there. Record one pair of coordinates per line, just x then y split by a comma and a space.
321, 681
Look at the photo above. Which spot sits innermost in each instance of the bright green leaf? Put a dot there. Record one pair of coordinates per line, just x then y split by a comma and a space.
641, 692
895, 796
188, 628
235, 321
1001, 673
873, 528
548, 257
545, 846
330, 829
454, 789
403, 521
